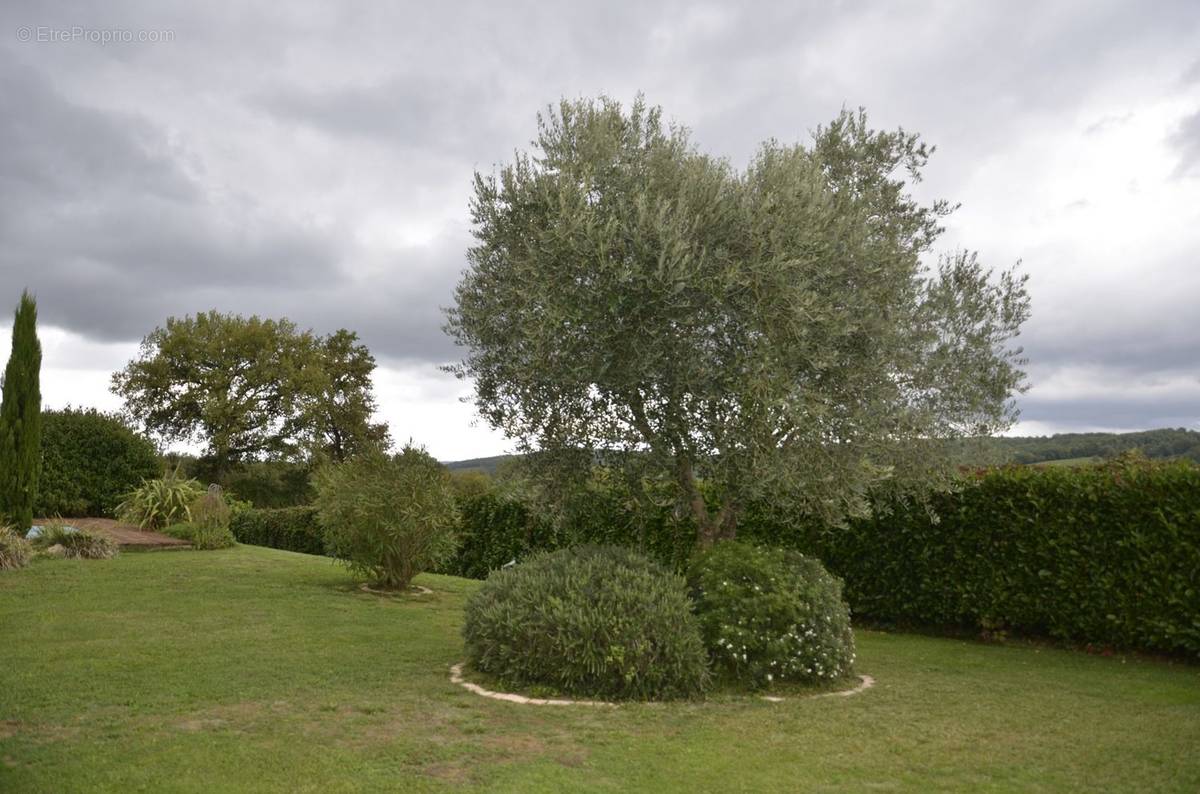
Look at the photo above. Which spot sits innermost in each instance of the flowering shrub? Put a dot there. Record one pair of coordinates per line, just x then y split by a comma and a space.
771, 615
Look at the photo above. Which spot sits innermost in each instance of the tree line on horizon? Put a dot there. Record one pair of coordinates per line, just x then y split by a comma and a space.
1162, 443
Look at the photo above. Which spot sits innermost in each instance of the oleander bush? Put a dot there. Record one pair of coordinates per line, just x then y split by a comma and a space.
15, 551
161, 502
388, 517
58, 539
590, 621
770, 615
288, 528
90, 460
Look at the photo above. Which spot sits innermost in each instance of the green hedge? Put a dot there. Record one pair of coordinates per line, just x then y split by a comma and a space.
1108, 555
495, 529
1105, 555
287, 528
270, 484
90, 460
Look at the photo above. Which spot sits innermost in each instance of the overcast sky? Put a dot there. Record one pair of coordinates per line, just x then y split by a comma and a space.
314, 161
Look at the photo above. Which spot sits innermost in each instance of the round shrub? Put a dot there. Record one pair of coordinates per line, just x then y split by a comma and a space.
592, 621
89, 461
15, 551
771, 615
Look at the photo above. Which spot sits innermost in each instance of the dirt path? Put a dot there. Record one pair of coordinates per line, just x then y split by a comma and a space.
126, 535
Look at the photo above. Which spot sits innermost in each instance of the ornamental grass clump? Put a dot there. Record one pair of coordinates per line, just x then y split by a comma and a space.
209, 527
592, 621
15, 551
771, 615
160, 503
57, 539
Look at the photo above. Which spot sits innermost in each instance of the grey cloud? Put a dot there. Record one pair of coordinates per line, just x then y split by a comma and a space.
1192, 75
411, 112
99, 218
1086, 412
211, 190
1186, 141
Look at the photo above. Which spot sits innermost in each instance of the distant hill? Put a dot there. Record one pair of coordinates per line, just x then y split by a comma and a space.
1165, 443
488, 465
1061, 448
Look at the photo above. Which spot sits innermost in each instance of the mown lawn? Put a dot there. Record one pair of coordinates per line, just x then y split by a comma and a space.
255, 669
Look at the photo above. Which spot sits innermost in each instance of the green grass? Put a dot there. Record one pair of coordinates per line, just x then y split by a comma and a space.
250, 668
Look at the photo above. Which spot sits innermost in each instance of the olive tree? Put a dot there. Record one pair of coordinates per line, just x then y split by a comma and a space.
777, 331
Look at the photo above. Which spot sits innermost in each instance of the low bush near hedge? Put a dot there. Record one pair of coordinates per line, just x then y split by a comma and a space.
591, 621
287, 528
202, 537
771, 615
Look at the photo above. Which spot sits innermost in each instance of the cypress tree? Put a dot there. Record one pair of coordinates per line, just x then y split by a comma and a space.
21, 420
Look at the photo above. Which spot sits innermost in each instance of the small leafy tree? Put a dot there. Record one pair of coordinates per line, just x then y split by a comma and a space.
388, 517
733, 335
21, 420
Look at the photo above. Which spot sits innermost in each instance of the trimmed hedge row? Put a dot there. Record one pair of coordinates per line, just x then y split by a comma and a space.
495, 529
1106, 555
287, 528
90, 460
